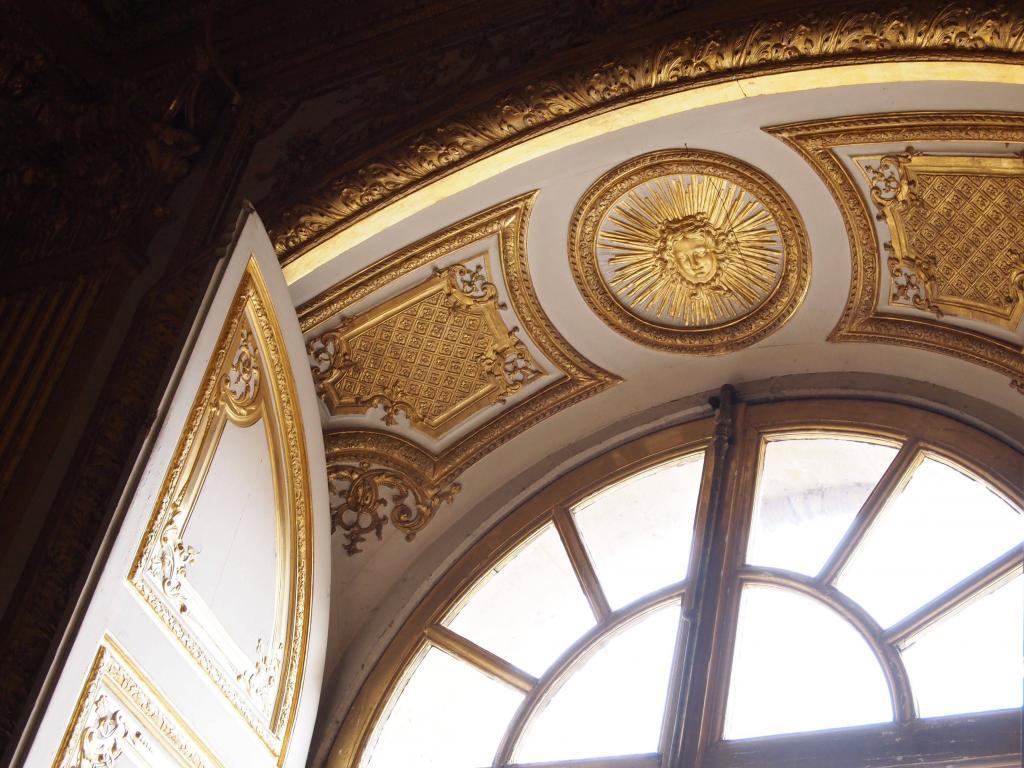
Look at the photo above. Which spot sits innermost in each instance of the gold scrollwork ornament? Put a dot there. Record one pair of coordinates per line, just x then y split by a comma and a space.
361, 503
437, 353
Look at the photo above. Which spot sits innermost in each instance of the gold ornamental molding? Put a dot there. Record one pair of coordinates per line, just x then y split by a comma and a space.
820, 47
957, 225
120, 712
689, 251
377, 477
438, 353
952, 219
248, 379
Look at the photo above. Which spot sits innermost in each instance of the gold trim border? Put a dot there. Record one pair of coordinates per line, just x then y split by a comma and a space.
251, 306
133, 689
582, 378
862, 321
768, 316
819, 47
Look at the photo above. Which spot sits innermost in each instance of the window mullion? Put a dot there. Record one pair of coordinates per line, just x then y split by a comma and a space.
709, 574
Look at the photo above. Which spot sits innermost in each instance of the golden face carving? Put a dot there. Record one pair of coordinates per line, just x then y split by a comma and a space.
692, 248
689, 251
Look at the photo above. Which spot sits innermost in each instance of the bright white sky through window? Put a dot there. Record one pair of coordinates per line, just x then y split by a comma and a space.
798, 665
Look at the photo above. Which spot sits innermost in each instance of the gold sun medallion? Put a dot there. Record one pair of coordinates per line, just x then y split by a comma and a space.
689, 251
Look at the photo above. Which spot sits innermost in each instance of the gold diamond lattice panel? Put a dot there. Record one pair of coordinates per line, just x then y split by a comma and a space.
957, 225
955, 233
438, 353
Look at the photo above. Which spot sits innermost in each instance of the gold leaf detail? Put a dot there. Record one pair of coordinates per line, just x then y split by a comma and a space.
802, 40
689, 251
862, 320
364, 498
429, 353
426, 474
955, 222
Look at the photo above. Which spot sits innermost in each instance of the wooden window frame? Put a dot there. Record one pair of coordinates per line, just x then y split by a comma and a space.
733, 444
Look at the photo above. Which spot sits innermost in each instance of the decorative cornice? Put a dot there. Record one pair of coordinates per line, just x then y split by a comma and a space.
862, 320
795, 41
431, 479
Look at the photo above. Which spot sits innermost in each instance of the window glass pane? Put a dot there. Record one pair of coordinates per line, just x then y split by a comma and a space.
971, 661
638, 532
940, 529
450, 715
810, 491
530, 608
799, 666
613, 704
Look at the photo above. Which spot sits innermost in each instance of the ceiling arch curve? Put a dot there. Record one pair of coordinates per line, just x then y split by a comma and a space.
782, 53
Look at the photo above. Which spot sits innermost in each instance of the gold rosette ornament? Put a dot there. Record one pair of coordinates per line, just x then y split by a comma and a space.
689, 251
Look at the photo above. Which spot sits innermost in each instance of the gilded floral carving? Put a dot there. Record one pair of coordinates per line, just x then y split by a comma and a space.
173, 558
863, 319
242, 381
120, 710
364, 499
260, 680
105, 735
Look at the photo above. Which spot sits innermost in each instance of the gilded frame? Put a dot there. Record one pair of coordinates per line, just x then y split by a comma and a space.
248, 377
862, 320
916, 430
718, 338
114, 668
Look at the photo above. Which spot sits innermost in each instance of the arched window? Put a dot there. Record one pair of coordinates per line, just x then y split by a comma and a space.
798, 583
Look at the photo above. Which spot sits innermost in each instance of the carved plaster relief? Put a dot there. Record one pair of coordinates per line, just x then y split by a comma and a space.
957, 228
934, 230
248, 383
121, 713
437, 353
689, 251
489, 382
809, 38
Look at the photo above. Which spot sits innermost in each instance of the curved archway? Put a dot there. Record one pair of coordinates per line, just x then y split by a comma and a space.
733, 447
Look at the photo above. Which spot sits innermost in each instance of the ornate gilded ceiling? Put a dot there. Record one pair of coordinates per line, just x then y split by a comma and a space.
933, 205
689, 251
449, 355
429, 358
404, 141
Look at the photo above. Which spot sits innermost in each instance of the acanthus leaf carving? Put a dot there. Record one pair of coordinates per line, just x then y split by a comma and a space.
105, 735
805, 39
363, 498
260, 680
242, 381
510, 364
172, 558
